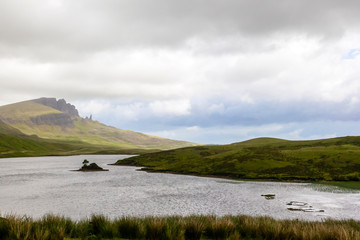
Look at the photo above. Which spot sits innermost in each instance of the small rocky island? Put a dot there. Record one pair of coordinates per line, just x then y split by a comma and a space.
91, 167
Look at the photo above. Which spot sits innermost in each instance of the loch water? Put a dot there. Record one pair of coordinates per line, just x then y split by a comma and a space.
40, 185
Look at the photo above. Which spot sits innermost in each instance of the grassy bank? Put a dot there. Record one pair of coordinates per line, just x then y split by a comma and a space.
193, 227
354, 185
336, 159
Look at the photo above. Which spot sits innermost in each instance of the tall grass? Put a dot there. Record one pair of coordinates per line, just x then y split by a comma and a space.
52, 227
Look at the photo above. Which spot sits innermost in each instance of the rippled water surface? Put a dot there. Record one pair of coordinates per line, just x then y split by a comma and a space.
36, 186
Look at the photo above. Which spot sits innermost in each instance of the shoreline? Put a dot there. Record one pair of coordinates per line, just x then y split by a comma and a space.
352, 185
146, 169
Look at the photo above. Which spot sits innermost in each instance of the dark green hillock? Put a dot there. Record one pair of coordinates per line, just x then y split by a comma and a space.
336, 159
91, 167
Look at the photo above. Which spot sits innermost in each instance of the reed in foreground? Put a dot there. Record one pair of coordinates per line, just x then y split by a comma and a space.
192, 227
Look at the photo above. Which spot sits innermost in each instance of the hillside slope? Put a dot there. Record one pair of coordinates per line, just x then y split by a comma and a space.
262, 158
14, 143
49, 118
7, 129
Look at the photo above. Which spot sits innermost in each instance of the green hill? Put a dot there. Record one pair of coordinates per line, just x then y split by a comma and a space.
6, 129
53, 119
14, 143
262, 158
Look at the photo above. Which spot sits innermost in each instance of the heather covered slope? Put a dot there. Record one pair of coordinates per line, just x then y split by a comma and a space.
49, 118
262, 158
14, 143
7, 129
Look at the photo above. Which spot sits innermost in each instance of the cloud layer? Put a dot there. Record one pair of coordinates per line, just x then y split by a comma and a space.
205, 70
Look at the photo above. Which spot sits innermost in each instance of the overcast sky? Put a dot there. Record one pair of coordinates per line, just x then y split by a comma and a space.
208, 71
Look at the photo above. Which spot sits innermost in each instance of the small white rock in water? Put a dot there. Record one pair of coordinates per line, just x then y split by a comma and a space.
302, 206
296, 203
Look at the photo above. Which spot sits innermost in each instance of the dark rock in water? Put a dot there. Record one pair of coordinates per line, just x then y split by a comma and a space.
312, 210
91, 167
268, 196
305, 209
294, 209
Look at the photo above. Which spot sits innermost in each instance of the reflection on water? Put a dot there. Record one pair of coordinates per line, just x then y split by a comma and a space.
36, 186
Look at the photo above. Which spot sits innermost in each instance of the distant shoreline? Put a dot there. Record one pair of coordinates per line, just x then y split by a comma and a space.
145, 169
355, 185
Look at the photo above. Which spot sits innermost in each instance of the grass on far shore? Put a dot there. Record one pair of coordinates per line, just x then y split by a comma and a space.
354, 185
52, 227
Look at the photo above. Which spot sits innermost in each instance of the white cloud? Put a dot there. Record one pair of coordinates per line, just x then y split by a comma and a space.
216, 108
218, 135
129, 112
179, 62
193, 128
93, 107
295, 68
172, 107
238, 133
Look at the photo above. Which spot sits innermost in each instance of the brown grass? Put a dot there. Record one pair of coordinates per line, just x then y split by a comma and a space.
52, 227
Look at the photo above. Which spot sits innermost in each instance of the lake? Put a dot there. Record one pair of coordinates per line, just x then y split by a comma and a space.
40, 185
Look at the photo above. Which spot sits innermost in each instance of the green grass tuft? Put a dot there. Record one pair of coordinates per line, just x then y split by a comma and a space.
193, 227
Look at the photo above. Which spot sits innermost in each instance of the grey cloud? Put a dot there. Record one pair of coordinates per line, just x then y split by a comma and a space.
231, 114
88, 26
256, 62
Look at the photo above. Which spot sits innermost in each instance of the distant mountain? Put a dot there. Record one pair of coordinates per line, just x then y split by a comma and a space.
53, 119
262, 158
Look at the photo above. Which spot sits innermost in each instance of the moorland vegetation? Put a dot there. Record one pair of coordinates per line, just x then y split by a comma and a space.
52, 227
336, 159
